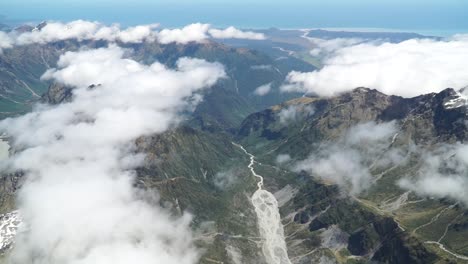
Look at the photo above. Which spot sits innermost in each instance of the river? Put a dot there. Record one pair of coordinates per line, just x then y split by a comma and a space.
269, 220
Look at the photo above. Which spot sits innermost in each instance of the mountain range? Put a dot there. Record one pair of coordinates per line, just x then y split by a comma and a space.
371, 146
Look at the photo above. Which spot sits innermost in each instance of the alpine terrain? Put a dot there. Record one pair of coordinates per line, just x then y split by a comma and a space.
207, 145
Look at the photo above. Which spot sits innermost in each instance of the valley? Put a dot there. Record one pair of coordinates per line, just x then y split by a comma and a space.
258, 174
269, 220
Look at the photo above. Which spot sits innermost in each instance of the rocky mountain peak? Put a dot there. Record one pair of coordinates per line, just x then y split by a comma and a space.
453, 99
57, 93
436, 115
24, 28
41, 25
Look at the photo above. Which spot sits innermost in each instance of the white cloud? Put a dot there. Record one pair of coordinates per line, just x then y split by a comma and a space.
370, 132
199, 32
347, 161
442, 175
232, 32
329, 46
56, 31
5, 41
263, 89
262, 67
439, 186
293, 112
88, 30
191, 33
79, 203
283, 158
85, 30
409, 68
342, 166
137, 34
226, 179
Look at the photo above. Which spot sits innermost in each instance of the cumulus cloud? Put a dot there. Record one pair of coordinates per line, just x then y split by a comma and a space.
442, 175
283, 158
348, 161
345, 167
262, 67
263, 89
370, 131
5, 41
232, 32
199, 32
79, 203
324, 47
90, 30
78, 29
85, 30
194, 32
135, 34
292, 113
408, 68
226, 179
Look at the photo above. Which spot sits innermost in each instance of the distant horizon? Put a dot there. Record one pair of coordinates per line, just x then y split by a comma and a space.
430, 17
425, 32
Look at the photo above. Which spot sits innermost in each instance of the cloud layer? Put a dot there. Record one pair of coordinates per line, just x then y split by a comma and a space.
79, 203
87, 30
326, 47
292, 113
194, 32
442, 175
263, 89
347, 161
5, 41
408, 69
232, 32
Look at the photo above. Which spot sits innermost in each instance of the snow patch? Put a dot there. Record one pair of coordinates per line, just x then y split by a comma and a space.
9, 224
456, 101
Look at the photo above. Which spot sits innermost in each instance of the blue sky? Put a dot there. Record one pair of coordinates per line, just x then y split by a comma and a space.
427, 15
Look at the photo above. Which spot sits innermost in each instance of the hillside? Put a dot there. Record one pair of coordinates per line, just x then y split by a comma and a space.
223, 108
320, 126
259, 174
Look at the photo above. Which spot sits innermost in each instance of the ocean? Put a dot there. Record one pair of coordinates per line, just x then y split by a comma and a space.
428, 21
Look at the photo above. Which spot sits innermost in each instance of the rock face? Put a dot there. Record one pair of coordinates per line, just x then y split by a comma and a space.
9, 185
57, 93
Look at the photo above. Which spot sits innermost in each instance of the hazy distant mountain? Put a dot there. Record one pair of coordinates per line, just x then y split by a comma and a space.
388, 36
